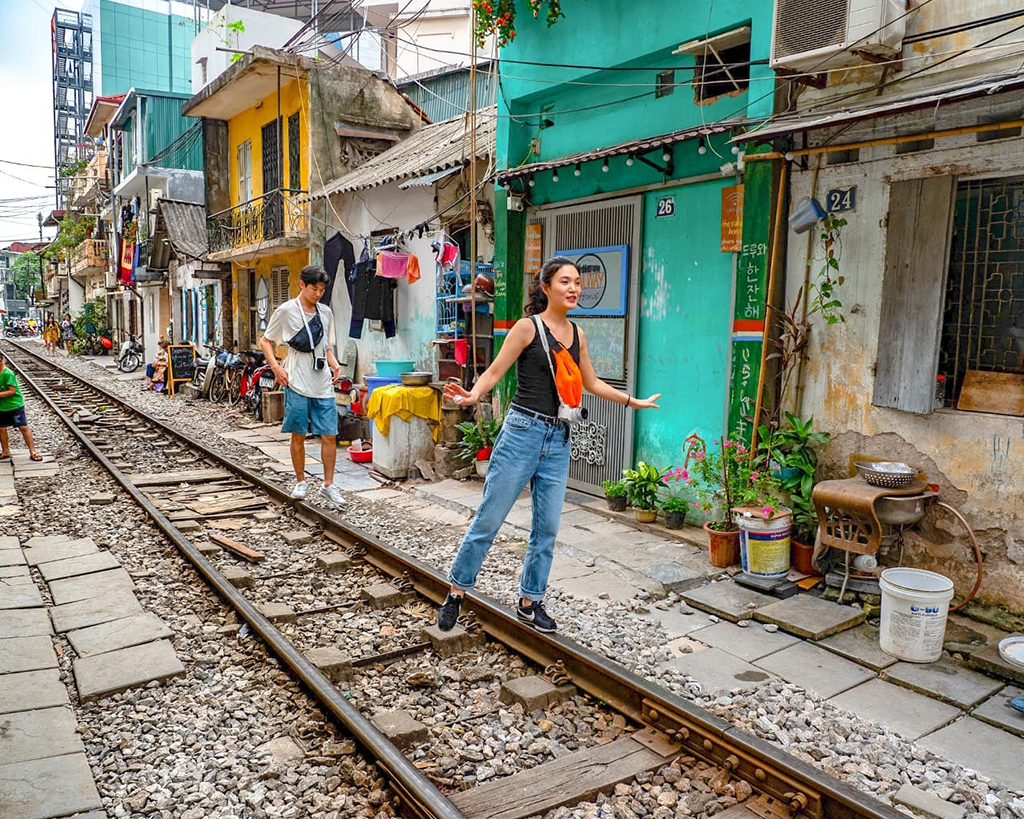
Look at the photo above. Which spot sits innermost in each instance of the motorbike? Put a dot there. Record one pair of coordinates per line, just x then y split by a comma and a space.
260, 378
96, 344
129, 356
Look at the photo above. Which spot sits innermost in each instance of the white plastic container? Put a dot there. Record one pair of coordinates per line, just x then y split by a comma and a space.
915, 604
764, 544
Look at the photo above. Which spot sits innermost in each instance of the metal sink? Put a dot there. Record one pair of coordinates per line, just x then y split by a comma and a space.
904, 510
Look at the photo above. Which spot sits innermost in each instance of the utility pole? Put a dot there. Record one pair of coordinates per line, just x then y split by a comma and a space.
472, 197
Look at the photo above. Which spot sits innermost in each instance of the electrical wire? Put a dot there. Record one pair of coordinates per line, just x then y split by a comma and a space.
26, 164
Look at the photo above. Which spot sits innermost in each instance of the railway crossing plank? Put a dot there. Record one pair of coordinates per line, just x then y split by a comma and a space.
565, 781
238, 548
183, 476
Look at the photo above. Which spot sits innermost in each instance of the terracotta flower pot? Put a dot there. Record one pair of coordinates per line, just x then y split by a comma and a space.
645, 515
723, 547
617, 504
801, 555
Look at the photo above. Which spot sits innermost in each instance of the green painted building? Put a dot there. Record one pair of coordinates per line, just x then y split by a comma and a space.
141, 44
614, 125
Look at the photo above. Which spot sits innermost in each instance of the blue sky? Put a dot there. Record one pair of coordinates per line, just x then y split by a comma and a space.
26, 98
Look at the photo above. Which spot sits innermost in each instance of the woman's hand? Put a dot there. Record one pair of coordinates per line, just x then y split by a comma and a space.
645, 403
459, 395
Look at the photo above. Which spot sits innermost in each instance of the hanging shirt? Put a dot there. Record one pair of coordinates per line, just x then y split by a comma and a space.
391, 265
339, 257
288, 320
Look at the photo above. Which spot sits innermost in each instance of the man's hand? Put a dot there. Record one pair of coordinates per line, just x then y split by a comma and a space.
280, 376
337, 375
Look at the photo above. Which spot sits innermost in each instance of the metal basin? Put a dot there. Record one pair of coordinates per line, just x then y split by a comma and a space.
904, 510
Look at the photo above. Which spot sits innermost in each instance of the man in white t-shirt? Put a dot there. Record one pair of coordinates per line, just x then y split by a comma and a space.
307, 327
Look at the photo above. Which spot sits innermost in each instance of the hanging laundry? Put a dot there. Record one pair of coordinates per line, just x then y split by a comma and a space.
412, 270
392, 265
337, 251
449, 256
372, 297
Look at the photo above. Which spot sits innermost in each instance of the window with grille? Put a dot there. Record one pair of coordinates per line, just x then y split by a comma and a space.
294, 161
983, 316
278, 286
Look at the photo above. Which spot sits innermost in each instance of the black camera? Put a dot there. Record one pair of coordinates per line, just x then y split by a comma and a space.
319, 363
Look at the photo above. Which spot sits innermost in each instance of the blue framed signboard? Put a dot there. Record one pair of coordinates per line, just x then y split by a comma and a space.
604, 272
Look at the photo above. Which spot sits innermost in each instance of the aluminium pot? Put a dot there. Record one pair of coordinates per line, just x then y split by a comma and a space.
417, 379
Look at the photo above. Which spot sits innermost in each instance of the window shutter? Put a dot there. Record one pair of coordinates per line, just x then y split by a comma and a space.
914, 284
279, 285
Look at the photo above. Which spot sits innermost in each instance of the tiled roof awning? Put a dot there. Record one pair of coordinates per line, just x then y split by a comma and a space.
636, 146
858, 110
444, 146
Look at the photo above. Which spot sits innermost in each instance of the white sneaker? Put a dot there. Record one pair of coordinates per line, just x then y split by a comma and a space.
333, 494
301, 490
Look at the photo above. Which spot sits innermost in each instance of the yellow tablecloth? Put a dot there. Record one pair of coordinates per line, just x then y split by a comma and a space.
406, 403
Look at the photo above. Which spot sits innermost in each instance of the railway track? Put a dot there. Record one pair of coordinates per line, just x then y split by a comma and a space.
373, 605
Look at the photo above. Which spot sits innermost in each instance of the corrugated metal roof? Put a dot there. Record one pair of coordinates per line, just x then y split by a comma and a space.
185, 223
636, 146
431, 149
429, 179
861, 110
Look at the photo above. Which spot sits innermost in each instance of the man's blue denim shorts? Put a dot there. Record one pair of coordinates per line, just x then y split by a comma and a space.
309, 416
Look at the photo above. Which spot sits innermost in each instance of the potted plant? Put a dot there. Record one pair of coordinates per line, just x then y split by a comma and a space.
673, 504
615, 494
478, 439
642, 485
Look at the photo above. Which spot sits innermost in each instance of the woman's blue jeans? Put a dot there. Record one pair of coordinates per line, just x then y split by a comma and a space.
527, 451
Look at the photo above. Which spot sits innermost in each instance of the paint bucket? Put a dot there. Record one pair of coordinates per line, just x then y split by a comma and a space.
764, 544
914, 608
805, 215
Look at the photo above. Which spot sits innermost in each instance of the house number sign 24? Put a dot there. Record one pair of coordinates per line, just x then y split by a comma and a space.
840, 199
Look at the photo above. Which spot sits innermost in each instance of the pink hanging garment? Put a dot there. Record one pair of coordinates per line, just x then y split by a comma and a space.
392, 265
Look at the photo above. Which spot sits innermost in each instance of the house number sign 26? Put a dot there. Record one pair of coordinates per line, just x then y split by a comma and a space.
840, 199
666, 207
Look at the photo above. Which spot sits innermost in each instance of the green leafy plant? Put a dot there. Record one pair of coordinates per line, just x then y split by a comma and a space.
821, 292
226, 31
26, 273
477, 435
792, 450
72, 230
498, 17
675, 504
727, 479
93, 319
73, 168
642, 484
614, 489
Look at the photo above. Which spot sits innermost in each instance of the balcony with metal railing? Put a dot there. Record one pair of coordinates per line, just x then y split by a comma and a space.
91, 256
260, 227
86, 186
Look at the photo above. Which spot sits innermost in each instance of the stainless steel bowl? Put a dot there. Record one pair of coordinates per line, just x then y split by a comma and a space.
904, 510
417, 379
887, 474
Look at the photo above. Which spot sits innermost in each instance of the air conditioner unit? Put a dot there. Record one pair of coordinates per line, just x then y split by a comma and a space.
810, 36
154, 195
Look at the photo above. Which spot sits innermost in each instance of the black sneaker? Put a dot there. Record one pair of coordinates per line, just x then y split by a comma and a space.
449, 612
535, 615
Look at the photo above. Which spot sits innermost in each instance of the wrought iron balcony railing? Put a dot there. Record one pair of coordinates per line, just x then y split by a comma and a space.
278, 214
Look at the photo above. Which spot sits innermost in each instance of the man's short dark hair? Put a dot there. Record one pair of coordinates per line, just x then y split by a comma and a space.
314, 274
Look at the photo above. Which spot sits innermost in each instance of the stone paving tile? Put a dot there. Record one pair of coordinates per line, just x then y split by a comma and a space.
988, 660
43, 788
980, 747
677, 624
9, 542
117, 634
996, 711
674, 575
29, 735
594, 582
719, 672
28, 690
12, 557
20, 595
26, 654
751, 643
60, 551
811, 617
814, 669
87, 613
45, 540
859, 644
944, 680
24, 623
728, 600
115, 671
75, 566
89, 586
906, 712
14, 571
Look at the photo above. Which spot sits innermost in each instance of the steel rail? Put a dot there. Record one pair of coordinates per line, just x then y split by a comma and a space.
418, 794
805, 790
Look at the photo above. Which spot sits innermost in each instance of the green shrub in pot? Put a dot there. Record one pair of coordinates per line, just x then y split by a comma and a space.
642, 486
615, 494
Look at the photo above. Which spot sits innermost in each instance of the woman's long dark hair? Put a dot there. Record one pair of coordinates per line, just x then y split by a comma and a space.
538, 302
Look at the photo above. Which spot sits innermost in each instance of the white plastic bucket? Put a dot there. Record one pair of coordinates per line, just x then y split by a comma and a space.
764, 544
915, 604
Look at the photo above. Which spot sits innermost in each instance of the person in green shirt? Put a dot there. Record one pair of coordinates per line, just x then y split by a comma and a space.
12, 412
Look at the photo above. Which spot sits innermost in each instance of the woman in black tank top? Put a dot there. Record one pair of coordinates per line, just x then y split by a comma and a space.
533, 445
